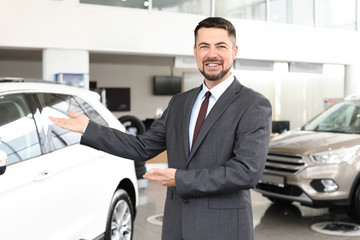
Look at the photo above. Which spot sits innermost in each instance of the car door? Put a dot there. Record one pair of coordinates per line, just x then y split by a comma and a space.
19, 194
49, 190
53, 187
70, 183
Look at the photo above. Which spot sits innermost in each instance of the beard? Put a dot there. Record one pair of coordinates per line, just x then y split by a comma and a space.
213, 77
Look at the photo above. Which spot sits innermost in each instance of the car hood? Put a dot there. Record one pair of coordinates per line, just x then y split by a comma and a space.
307, 142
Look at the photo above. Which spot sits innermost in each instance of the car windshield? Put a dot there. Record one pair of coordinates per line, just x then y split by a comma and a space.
343, 117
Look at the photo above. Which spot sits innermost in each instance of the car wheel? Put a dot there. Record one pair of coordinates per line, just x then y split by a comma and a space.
354, 210
140, 168
133, 121
119, 225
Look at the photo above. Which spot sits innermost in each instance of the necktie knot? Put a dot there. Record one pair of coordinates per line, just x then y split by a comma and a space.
207, 94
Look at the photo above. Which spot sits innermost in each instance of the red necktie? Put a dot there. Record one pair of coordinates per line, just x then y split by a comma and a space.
201, 116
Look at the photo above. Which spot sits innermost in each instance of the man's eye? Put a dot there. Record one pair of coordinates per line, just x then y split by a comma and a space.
203, 47
221, 47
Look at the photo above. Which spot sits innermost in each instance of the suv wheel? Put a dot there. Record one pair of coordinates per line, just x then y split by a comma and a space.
354, 210
119, 225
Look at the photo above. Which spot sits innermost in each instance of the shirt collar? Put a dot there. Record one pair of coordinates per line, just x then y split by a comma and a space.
219, 89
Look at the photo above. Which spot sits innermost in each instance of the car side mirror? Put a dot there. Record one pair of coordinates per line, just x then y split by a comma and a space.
3, 162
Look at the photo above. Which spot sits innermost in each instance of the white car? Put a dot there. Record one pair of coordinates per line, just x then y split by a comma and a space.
51, 187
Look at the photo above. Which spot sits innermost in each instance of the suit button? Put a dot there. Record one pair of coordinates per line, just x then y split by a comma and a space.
186, 201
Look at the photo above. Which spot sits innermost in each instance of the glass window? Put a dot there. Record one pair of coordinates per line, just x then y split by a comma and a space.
292, 11
58, 105
91, 113
336, 14
18, 135
202, 7
246, 9
342, 117
143, 4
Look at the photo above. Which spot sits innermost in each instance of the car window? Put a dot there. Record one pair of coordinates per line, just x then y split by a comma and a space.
58, 105
342, 117
18, 134
91, 112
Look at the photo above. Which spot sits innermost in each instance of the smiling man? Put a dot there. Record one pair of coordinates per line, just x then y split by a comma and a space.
216, 137
215, 50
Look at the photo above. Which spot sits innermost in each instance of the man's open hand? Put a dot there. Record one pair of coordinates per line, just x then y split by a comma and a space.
165, 177
76, 123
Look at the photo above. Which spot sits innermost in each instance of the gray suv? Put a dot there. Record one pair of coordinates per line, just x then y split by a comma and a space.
318, 165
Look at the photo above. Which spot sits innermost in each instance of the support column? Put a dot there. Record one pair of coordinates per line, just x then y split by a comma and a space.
352, 79
67, 61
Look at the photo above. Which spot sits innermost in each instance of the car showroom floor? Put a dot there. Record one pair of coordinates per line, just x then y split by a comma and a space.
271, 221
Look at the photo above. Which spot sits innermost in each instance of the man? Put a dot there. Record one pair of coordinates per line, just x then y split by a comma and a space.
209, 175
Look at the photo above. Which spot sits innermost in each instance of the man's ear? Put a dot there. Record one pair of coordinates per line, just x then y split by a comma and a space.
235, 51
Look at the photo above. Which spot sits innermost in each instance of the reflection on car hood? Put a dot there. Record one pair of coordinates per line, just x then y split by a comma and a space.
306, 142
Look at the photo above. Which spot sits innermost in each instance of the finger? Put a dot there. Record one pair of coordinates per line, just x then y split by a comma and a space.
58, 121
147, 175
151, 177
155, 171
74, 114
52, 118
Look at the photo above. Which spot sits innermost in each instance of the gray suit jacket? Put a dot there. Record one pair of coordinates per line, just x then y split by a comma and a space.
211, 200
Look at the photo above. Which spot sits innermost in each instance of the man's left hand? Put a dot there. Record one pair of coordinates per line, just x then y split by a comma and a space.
165, 177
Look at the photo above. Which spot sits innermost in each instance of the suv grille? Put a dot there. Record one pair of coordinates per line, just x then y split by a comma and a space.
283, 163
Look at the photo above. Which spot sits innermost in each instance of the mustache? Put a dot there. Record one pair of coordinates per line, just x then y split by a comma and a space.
211, 60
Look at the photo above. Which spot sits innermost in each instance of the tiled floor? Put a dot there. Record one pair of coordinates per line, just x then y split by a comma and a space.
271, 221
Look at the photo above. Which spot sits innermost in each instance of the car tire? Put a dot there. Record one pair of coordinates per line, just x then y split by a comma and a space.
354, 210
119, 225
134, 121
140, 168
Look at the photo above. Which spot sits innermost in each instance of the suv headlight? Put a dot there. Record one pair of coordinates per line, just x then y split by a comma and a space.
335, 156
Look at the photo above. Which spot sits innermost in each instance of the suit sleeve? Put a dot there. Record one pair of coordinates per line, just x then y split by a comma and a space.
245, 168
138, 148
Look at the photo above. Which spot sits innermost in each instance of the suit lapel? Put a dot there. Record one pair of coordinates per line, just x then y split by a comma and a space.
189, 103
220, 106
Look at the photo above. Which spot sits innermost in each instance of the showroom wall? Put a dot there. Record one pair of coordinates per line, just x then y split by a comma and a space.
16, 68
295, 96
67, 24
137, 77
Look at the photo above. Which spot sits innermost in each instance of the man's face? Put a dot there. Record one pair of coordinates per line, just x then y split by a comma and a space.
214, 53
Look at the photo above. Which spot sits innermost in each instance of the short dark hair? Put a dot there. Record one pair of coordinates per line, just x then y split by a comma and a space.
217, 22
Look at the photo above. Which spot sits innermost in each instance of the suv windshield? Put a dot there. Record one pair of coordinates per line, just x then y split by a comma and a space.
342, 117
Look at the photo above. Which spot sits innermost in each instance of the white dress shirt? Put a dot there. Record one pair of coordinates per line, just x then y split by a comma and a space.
216, 92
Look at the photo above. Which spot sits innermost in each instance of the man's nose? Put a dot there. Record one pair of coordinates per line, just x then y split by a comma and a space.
212, 52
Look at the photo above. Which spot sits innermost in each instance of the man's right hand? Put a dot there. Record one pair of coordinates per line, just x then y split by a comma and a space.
76, 123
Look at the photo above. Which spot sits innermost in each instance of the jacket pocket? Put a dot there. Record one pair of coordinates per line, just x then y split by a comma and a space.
228, 202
